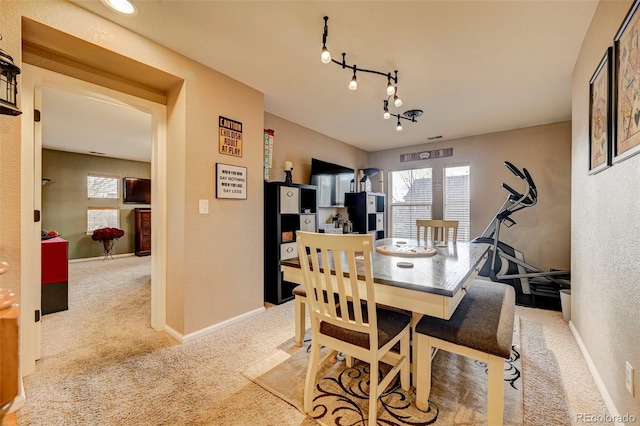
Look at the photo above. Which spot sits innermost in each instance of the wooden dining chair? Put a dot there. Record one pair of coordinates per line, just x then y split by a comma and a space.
439, 230
350, 323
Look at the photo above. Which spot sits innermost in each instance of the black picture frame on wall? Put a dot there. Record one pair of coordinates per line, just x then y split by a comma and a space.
627, 86
600, 115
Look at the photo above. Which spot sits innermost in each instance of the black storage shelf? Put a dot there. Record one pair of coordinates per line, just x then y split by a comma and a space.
367, 212
287, 209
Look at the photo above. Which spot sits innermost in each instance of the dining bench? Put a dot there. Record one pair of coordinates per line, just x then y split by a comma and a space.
481, 328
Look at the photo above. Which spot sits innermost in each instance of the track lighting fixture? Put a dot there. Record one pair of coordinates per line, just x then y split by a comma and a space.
409, 115
392, 80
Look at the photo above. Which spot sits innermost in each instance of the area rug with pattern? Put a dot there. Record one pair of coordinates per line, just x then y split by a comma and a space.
458, 393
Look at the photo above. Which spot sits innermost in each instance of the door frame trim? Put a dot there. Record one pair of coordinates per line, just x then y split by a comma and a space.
34, 78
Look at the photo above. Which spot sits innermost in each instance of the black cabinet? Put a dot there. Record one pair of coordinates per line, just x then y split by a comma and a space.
287, 209
367, 212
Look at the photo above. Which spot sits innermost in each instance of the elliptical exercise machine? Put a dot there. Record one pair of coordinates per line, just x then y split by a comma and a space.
507, 265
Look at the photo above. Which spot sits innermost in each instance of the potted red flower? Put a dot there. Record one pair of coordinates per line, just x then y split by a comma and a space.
106, 236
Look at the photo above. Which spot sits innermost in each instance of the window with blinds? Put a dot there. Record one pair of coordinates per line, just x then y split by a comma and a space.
102, 186
102, 217
411, 199
456, 198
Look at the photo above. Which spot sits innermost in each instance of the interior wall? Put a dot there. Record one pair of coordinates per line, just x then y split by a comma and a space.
299, 145
210, 283
10, 158
542, 232
605, 233
65, 203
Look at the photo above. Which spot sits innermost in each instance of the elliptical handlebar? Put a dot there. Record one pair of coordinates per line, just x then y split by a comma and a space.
533, 192
530, 197
515, 201
529, 178
516, 171
515, 195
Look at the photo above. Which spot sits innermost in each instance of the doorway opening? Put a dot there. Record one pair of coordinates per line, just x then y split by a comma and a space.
34, 80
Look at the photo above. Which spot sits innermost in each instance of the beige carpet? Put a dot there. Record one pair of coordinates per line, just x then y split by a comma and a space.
458, 395
102, 364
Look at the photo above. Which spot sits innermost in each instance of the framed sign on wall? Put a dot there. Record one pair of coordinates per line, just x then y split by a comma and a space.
230, 137
231, 181
600, 115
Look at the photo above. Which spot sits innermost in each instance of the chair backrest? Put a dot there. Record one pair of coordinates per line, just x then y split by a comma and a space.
347, 256
440, 229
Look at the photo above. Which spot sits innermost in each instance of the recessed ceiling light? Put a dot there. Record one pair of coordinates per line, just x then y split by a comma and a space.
125, 7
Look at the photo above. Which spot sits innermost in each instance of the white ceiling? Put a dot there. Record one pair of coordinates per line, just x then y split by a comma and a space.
77, 123
473, 67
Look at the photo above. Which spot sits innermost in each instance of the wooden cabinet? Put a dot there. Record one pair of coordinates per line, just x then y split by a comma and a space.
54, 275
287, 209
143, 231
367, 212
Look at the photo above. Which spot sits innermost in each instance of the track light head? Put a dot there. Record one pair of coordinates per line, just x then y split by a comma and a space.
325, 56
397, 101
391, 90
399, 126
385, 108
353, 84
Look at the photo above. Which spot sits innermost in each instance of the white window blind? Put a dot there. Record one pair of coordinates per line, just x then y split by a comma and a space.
456, 198
102, 217
411, 199
101, 186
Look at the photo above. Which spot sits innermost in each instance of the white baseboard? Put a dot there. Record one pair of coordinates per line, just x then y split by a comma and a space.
20, 400
88, 259
200, 333
613, 411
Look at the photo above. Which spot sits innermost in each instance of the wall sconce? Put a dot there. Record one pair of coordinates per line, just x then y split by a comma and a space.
8, 85
391, 89
288, 168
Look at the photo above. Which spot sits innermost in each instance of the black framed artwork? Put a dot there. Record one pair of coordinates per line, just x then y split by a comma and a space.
627, 86
600, 115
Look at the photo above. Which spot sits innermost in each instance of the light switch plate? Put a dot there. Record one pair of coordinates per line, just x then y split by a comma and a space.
204, 206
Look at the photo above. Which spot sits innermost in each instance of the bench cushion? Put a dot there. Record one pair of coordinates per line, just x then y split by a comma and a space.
483, 320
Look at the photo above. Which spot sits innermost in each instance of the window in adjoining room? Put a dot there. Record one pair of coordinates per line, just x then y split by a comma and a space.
103, 186
102, 217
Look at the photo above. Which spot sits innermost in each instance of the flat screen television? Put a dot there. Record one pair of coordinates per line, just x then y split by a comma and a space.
136, 190
332, 180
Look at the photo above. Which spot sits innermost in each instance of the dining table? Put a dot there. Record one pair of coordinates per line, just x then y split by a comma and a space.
421, 276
